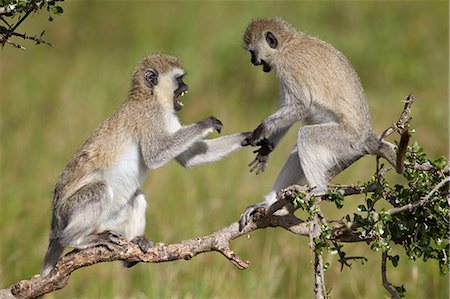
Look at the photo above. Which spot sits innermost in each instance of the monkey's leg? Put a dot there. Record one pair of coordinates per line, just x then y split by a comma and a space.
290, 174
129, 222
134, 224
325, 150
84, 212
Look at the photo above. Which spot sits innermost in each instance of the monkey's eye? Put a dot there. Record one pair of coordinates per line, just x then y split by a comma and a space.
271, 40
151, 78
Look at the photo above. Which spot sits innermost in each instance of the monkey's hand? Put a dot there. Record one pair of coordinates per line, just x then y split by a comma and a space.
258, 135
212, 122
260, 162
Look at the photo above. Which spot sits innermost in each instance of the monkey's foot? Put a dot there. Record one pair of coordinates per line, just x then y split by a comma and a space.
144, 244
248, 214
108, 239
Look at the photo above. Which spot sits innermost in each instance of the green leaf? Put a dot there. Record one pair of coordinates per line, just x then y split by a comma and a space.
57, 10
394, 260
362, 208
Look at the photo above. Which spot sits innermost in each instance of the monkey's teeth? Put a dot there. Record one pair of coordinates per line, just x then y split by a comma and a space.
180, 103
182, 94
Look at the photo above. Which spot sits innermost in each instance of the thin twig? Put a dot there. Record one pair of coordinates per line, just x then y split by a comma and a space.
27, 13
37, 39
15, 45
423, 201
387, 285
405, 116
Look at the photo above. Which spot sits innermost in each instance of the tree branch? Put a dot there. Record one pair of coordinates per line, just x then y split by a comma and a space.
423, 201
404, 118
387, 285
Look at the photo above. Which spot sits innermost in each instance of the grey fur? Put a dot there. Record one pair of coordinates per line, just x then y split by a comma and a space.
97, 197
319, 87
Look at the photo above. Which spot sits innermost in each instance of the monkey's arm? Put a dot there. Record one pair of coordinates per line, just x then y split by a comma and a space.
275, 138
211, 150
158, 151
277, 124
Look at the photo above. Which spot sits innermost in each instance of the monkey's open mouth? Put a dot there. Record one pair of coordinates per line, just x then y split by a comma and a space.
181, 91
266, 67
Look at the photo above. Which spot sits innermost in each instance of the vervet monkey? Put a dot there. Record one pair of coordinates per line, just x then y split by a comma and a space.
97, 197
319, 87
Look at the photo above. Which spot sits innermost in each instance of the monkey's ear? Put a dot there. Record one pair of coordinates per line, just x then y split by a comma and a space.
151, 78
271, 40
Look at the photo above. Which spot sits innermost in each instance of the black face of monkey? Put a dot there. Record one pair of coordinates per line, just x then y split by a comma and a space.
180, 91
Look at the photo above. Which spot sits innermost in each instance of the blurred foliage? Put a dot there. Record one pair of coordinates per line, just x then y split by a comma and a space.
51, 98
14, 12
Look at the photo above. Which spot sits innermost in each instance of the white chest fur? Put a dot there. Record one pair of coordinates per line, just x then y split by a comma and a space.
127, 174
172, 123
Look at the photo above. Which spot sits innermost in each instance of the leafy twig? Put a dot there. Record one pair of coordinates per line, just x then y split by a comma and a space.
387, 285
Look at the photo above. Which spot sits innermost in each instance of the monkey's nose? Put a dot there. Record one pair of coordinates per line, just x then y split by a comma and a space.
254, 59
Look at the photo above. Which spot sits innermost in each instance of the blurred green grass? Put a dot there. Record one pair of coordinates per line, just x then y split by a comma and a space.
53, 97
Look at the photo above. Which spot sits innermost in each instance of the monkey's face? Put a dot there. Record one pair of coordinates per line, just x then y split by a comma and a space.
263, 52
264, 39
162, 76
169, 87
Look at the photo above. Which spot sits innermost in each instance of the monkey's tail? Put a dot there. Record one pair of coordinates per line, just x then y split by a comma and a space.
54, 251
384, 149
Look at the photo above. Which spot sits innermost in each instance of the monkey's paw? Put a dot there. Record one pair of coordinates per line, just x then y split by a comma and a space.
260, 162
245, 138
212, 122
258, 135
250, 212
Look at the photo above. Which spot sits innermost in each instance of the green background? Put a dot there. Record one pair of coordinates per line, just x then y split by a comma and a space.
53, 97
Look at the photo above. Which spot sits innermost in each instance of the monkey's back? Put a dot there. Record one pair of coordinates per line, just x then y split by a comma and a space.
94, 156
330, 79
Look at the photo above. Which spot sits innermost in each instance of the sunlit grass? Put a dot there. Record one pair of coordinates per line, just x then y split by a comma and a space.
53, 97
